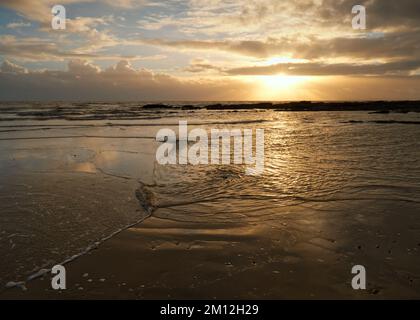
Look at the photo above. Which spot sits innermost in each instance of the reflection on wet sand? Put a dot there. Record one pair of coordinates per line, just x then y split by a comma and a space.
333, 194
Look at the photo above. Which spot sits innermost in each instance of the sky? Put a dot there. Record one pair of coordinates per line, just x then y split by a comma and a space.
209, 50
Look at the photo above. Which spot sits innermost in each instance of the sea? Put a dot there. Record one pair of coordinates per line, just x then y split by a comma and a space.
73, 175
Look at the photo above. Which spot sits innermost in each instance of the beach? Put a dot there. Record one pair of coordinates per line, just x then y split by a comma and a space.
80, 185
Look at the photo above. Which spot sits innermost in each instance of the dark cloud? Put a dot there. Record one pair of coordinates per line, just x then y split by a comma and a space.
9, 67
36, 49
85, 81
371, 46
389, 45
247, 47
322, 69
381, 14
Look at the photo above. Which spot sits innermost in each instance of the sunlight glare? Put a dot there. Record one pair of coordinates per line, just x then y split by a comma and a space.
278, 87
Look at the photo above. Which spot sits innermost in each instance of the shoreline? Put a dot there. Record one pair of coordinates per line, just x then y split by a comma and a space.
138, 263
325, 204
163, 259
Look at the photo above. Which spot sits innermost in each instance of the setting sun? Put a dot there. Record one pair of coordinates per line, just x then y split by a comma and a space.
279, 87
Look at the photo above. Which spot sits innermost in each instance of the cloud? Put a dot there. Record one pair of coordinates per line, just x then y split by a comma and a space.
381, 14
40, 10
45, 49
202, 65
233, 39
82, 67
85, 27
35, 49
401, 68
251, 48
85, 81
306, 29
123, 67
390, 45
367, 46
9, 67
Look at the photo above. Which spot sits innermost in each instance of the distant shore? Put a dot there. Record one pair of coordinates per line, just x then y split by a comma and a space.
377, 106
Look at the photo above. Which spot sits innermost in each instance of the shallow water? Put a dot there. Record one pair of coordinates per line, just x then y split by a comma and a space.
72, 175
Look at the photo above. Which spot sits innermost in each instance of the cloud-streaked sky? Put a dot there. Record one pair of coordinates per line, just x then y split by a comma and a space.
209, 50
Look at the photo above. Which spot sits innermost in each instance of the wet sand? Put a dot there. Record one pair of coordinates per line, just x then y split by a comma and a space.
160, 259
334, 194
